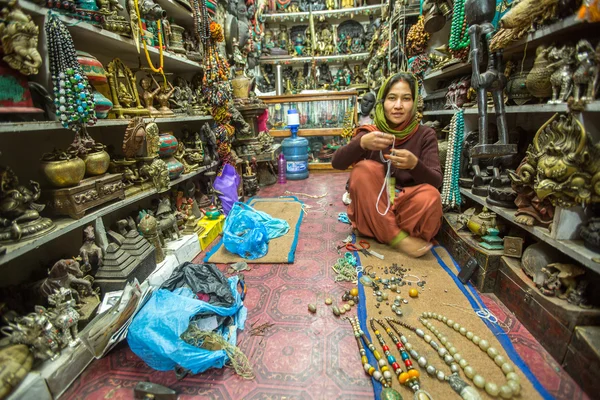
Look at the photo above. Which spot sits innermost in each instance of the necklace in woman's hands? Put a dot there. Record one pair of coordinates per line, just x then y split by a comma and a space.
376, 141
402, 159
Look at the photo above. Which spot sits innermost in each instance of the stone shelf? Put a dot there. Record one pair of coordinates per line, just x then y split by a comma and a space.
65, 225
14, 127
572, 248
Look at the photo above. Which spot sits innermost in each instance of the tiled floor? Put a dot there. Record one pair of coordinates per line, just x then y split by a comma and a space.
300, 356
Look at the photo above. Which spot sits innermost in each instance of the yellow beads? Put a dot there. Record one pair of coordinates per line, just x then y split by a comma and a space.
376, 332
384, 368
354, 292
376, 354
413, 373
403, 377
364, 359
413, 292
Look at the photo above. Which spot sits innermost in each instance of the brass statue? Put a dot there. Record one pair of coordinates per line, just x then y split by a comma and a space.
149, 94
163, 98
123, 91
19, 38
149, 228
182, 155
562, 164
160, 175
19, 213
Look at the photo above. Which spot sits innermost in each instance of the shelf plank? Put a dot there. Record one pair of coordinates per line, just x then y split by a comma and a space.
107, 45
18, 127
65, 225
572, 248
336, 59
524, 109
327, 14
307, 132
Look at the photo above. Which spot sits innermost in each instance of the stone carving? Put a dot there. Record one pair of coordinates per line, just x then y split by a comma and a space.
90, 253
560, 279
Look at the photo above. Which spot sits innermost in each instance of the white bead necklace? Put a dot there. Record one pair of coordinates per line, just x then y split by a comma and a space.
507, 391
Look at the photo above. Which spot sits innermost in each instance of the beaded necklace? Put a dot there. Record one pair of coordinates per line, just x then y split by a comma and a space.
507, 391
459, 36
456, 383
73, 97
409, 378
450, 189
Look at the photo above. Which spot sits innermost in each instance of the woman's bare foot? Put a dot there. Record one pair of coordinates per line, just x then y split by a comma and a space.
414, 247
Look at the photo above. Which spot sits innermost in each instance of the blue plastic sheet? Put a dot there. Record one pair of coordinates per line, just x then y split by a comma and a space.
247, 232
154, 334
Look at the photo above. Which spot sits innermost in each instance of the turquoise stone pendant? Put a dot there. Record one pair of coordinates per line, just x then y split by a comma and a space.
390, 394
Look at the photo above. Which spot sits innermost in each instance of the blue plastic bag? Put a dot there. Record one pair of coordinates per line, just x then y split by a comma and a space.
154, 334
247, 231
227, 185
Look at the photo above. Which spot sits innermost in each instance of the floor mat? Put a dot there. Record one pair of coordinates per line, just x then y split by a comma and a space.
301, 356
281, 249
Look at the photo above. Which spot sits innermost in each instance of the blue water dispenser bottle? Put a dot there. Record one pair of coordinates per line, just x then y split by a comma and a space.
295, 149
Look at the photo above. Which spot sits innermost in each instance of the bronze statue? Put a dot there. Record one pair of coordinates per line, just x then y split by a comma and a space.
586, 72
19, 38
123, 91
65, 274
149, 94
90, 253
163, 97
149, 228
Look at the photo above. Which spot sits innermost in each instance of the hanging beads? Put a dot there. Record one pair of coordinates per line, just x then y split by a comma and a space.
450, 190
73, 97
459, 35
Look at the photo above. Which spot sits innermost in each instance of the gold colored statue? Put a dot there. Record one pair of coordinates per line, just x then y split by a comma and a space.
562, 163
347, 3
181, 155
123, 91
330, 4
19, 38
149, 94
163, 98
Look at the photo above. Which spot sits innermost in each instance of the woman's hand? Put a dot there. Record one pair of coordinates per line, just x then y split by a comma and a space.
376, 141
402, 159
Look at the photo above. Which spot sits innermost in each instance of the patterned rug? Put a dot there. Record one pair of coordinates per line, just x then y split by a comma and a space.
301, 356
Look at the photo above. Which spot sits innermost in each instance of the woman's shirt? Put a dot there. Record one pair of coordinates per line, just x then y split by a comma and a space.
422, 144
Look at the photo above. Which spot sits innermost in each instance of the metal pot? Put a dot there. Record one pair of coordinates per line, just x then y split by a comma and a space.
96, 163
516, 88
65, 172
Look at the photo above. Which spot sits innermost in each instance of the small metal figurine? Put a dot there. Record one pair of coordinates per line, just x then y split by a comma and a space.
90, 253
586, 72
149, 94
562, 77
65, 274
149, 228
64, 315
166, 220
163, 98
19, 39
479, 15
159, 172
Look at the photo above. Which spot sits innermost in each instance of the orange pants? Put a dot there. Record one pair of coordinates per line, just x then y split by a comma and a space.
417, 210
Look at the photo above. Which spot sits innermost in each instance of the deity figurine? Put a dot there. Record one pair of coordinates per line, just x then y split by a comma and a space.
283, 37
347, 3
479, 14
125, 98
366, 106
307, 43
586, 73
298, 46
163, 98
330, 4
357, 45
268, 42
149, 95
19, 39
357, 76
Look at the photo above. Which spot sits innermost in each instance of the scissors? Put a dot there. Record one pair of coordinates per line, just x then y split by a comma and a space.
364, 247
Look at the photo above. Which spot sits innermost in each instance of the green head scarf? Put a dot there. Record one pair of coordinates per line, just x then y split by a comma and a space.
381, 122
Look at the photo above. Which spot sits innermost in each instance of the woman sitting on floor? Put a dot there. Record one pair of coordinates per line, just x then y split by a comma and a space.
414, 218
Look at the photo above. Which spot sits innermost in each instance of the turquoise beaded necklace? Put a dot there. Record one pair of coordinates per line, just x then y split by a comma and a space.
459, 32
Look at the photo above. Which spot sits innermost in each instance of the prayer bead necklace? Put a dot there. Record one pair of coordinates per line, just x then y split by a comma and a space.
409, 378
458, 385
459, 35
512, 387
451, 190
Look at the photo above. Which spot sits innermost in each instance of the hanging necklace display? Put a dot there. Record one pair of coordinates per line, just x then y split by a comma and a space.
410, 377
161, 61
459, 31
72, 92
387, 392
450, 189
458, 385
507, 391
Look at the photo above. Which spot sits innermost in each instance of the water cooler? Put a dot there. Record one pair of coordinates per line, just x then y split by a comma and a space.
295, 149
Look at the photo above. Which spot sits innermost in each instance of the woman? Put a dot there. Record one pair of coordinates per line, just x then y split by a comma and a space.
414, 218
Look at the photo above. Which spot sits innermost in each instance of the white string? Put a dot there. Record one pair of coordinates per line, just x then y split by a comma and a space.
385, 182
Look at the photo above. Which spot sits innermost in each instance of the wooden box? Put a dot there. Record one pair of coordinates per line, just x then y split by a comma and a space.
549, 319
582, 360
90, 193
462, 245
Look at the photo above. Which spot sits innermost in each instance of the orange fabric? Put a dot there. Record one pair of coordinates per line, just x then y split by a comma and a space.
416, 209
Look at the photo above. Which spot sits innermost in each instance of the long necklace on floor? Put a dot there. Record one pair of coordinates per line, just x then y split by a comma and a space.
456, 383
451, 190
409, 378
73, 97
512, 387
388, 392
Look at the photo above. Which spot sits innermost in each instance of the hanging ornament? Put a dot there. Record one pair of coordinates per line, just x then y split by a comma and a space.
459, 31
450, 189
72, 92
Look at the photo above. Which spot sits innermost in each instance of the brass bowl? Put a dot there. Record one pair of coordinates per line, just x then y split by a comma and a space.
64, 173
96, 163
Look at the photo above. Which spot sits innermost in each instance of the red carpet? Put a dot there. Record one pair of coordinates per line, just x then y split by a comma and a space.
301, 356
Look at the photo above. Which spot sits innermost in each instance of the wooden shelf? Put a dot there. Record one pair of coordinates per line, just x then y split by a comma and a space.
572, 248
107, 45
19, 127
320, 166
65, 225
524, 109
336, 59
325, 14
307, 132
